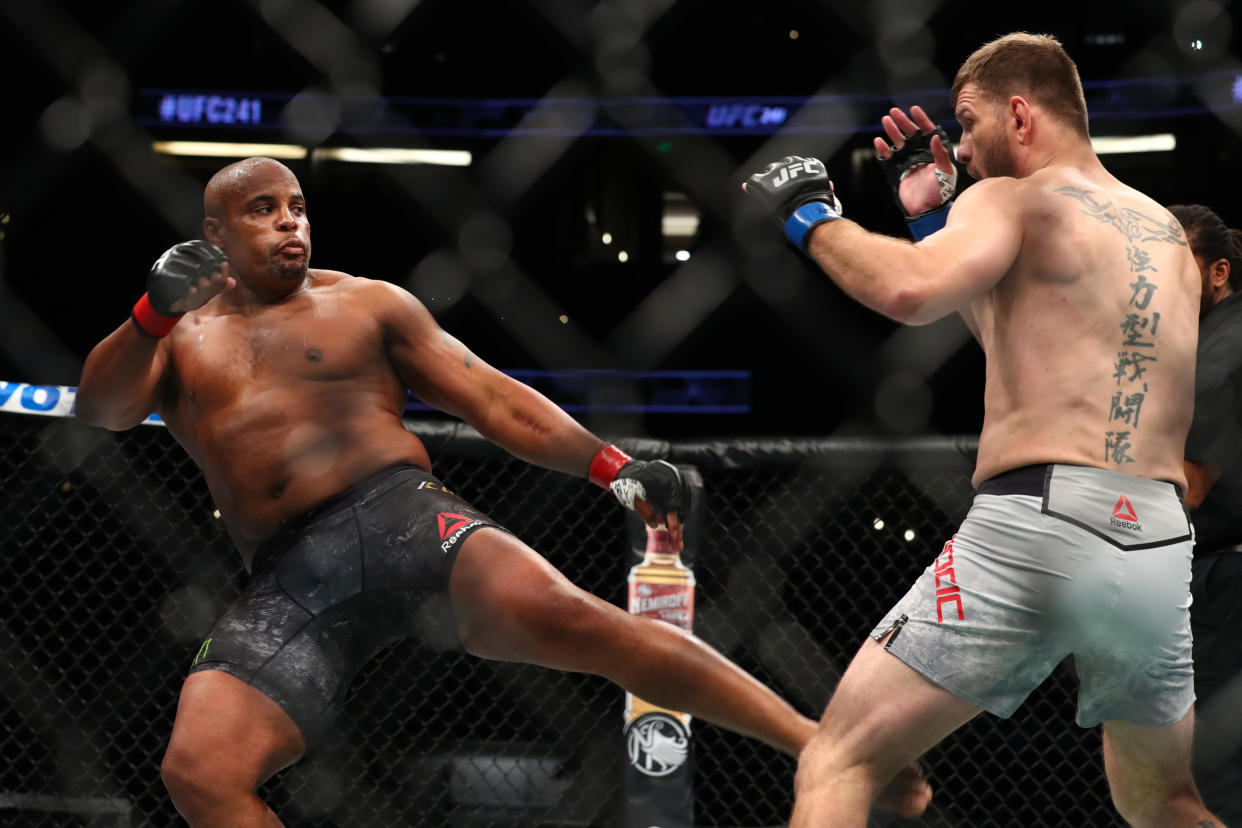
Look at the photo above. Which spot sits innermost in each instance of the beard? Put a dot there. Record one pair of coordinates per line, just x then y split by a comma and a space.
998, 159
289, 271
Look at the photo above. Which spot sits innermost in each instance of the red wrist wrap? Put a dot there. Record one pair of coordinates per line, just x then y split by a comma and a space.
606, 463
150, 321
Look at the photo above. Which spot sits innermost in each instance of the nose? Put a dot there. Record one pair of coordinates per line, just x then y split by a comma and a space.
965, 150
286, 220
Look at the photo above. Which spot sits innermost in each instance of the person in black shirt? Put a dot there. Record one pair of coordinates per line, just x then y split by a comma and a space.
1214, 496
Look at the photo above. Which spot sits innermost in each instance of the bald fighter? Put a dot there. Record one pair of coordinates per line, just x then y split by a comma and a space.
287, 385
1084, 295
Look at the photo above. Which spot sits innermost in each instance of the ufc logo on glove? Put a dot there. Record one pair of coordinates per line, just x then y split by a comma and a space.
810, 166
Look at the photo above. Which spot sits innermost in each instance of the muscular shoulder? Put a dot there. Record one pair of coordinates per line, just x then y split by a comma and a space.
990, 189
329, 277
393, 306
1021, 194
359, 288
994, 197
1097, 194
993, 205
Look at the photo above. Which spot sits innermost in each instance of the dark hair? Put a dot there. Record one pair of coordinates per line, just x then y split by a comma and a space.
1033, 66
1210, 238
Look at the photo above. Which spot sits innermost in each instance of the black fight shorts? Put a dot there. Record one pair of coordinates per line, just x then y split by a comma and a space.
338, 584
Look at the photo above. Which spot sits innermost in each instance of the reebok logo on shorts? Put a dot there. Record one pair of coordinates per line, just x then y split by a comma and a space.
450, 523
1124, 515
452, 527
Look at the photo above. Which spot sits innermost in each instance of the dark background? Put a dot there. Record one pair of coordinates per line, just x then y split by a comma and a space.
500, 250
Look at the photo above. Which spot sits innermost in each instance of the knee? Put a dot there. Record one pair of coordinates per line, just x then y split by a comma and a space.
819, 763
181, 779
810, 770
827, 763
196, 787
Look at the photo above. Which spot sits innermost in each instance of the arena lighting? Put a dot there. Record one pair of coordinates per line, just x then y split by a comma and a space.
679, 225
1112, 145
1103, 145
373, 155
393, 155
218, 149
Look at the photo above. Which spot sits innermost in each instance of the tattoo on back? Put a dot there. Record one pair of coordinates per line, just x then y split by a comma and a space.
1139, 324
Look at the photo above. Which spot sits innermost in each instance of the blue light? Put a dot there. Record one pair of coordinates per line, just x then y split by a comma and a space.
637, 392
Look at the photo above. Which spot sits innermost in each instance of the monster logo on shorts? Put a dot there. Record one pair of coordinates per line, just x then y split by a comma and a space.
657, 743
452, 527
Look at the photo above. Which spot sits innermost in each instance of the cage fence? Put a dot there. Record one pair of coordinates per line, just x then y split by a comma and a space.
116, 566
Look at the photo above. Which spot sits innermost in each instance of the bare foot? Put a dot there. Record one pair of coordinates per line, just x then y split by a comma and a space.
907, 795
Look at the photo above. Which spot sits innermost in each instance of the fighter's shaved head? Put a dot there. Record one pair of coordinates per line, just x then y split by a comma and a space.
254, 208
232, 181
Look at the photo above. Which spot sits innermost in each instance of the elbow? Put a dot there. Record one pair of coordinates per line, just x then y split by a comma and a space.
92, 416
88, 410
916, 305
903, 303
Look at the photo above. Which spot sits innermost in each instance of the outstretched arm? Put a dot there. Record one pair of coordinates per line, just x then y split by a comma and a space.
921, 282
442, 372
123, 375
912, 283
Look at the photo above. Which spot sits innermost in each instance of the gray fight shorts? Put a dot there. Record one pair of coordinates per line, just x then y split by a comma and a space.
1052, 561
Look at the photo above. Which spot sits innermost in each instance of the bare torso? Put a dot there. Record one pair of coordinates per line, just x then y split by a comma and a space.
1090, 337
283, 405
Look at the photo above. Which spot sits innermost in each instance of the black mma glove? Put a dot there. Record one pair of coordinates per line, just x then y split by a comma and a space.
656, 481
169, 281
916, 152
798, 194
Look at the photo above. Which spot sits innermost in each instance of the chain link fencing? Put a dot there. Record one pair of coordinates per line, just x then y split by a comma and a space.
116, 567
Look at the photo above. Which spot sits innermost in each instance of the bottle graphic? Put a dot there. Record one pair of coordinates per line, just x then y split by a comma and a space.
660, 587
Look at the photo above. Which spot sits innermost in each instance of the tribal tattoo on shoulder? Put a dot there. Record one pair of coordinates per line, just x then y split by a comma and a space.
1136, 226
1140, 322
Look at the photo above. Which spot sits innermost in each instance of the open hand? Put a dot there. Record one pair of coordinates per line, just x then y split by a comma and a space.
925, 182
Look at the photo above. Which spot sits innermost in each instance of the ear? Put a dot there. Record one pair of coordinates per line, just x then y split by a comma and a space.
212, 229
1218, 273
1020, 111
